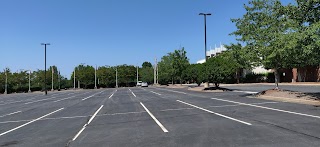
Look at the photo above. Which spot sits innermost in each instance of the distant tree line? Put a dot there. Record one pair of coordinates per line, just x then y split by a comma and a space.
85, 75
19, 81
175, 68
106, 75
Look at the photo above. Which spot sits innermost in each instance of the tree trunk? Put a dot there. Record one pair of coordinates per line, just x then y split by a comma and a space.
276, 78
216, 84
172, 81
237, 76
305, 74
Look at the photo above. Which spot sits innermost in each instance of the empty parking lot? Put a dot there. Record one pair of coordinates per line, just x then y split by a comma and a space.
154, 117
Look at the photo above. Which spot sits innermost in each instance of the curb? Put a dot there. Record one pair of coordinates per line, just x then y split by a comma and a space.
288, 100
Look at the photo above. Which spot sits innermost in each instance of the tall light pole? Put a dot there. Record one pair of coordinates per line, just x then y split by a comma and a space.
155, 71
6, 85
116, 77
157, 74
95, 78
45, 67
52, 78
205, 34
29, 79
59, 80
137, 75
116, 69
74, 78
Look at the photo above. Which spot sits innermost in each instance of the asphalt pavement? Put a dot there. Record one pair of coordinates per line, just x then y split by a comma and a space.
154, 116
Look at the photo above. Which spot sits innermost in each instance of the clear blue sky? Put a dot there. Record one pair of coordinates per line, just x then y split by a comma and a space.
109, 32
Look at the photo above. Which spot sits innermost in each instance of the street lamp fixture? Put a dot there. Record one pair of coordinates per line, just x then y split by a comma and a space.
74, 78
29, 91
6, 85
95, 77
116, 77
116, 69
205, 34
52, 71
45, 67
137, 75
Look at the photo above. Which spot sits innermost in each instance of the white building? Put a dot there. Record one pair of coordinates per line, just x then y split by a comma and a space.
213, 52
217, 50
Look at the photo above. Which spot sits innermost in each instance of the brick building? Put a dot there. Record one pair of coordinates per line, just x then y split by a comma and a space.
305, 74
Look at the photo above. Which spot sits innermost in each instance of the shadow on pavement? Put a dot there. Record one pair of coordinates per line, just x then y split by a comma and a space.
217, 88
315, 96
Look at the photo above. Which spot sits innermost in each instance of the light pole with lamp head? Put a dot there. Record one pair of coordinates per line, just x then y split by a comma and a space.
74, 78
52, 71
205, 34
137, 75
45, 67
29, 79
116, 69
6, 85
95, 77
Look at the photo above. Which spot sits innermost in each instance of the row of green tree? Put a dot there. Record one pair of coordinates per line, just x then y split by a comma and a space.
19, 81
106, 75
85, 77
175, 67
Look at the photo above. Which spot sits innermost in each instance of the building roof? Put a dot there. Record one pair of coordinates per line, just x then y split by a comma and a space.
213, 52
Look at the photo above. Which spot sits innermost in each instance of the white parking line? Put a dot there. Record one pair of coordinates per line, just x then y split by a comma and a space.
18, 121
133, 93
155, 93
30, 122
155, 119
249, 92
240, 104
88, 97
10, 114
12, 102
291, 112
178, 109
73, 117
84, 127
92, 95
124, 113
64, 99
173, 91
216, 113
111, 95
40, 100
94, 115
